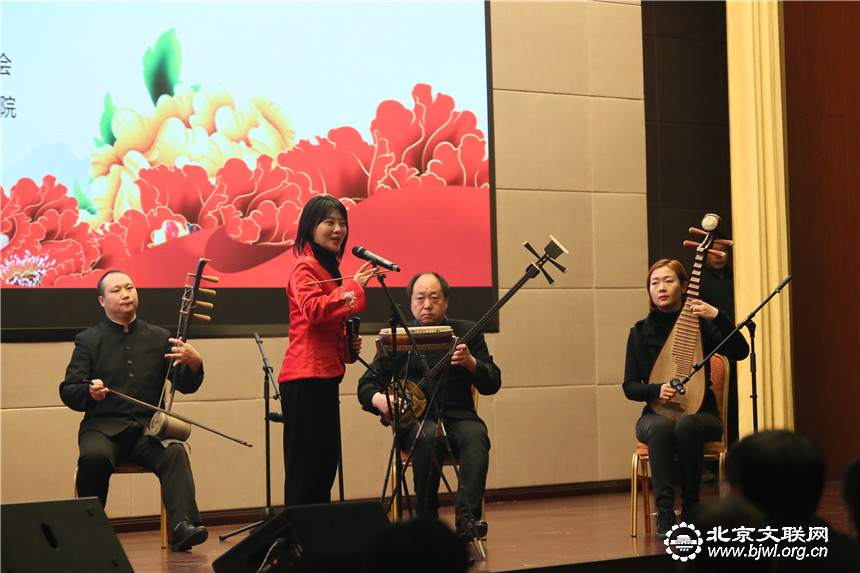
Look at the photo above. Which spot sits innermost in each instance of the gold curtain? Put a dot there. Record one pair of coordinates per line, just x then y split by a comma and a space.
760, 206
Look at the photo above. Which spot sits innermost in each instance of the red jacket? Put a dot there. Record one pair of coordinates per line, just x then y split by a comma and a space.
318, 344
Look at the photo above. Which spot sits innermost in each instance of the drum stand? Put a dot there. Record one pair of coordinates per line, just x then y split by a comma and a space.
399, 394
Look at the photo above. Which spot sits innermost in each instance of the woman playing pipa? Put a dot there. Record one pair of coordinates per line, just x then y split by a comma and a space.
679, 330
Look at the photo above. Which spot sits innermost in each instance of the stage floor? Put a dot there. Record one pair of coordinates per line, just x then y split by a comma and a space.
522, 535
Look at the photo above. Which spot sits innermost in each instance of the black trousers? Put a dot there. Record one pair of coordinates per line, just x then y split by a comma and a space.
100, 454
311, 410
471, 444
687, 438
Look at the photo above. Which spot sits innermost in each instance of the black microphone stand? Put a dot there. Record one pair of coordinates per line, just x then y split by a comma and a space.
397, 318
268, 375
747, 322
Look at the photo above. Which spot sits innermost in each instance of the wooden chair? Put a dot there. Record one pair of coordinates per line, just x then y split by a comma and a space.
714, 451
394, 511
131, 468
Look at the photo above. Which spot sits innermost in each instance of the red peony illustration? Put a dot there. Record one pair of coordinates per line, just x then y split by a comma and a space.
246, 201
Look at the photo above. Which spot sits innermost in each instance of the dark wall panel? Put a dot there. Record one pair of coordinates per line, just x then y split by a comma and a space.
822, 73
686, 122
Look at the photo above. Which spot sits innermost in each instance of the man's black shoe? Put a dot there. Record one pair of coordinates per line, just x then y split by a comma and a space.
665, 521
185, 535
471, 530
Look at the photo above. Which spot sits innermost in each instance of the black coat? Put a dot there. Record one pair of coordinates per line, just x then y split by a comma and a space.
458, 403
132, 363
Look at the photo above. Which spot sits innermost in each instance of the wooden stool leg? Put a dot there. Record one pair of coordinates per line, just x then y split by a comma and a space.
634, 490
646, 496
164, 532
394, 510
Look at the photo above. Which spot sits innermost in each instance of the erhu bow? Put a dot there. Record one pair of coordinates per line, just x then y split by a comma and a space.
166, 424
683, 348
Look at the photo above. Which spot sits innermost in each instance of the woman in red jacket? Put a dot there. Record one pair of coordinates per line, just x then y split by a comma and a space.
314, 363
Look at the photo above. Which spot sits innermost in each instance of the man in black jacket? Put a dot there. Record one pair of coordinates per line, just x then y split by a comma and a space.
130, 356
470, 365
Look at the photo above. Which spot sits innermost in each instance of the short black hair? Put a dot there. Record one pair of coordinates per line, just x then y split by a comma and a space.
313, 213
421, 545
100, 287
851, 492
779, 471
446, 290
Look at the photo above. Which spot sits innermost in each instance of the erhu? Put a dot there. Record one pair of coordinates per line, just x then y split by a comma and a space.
166, 424
412, 401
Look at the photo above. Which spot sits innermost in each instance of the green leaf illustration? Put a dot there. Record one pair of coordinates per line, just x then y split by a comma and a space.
108, 138
84, 203
161, 66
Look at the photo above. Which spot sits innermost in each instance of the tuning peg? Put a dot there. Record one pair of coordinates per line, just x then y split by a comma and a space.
726, 242
206, 291
205, 278
691, 244
202, 303
695, 231
716, 253
202, 317
546, 275
530, 249
562, 268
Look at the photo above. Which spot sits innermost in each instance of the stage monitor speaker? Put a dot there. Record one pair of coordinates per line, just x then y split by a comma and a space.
63, 536
329, 537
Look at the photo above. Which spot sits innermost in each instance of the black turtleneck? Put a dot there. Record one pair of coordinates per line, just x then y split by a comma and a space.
647, 338
328, 260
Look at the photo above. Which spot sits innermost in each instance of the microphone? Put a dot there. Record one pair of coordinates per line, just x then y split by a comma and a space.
363, 253
677, 386
275, 417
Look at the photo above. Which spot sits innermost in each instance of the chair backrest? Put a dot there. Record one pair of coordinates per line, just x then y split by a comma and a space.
720, 386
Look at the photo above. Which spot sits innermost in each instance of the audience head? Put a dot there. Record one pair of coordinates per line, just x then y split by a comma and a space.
420, 545
730, 515
851, 495
781, 472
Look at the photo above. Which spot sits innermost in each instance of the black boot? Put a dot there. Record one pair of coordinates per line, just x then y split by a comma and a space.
665, 521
